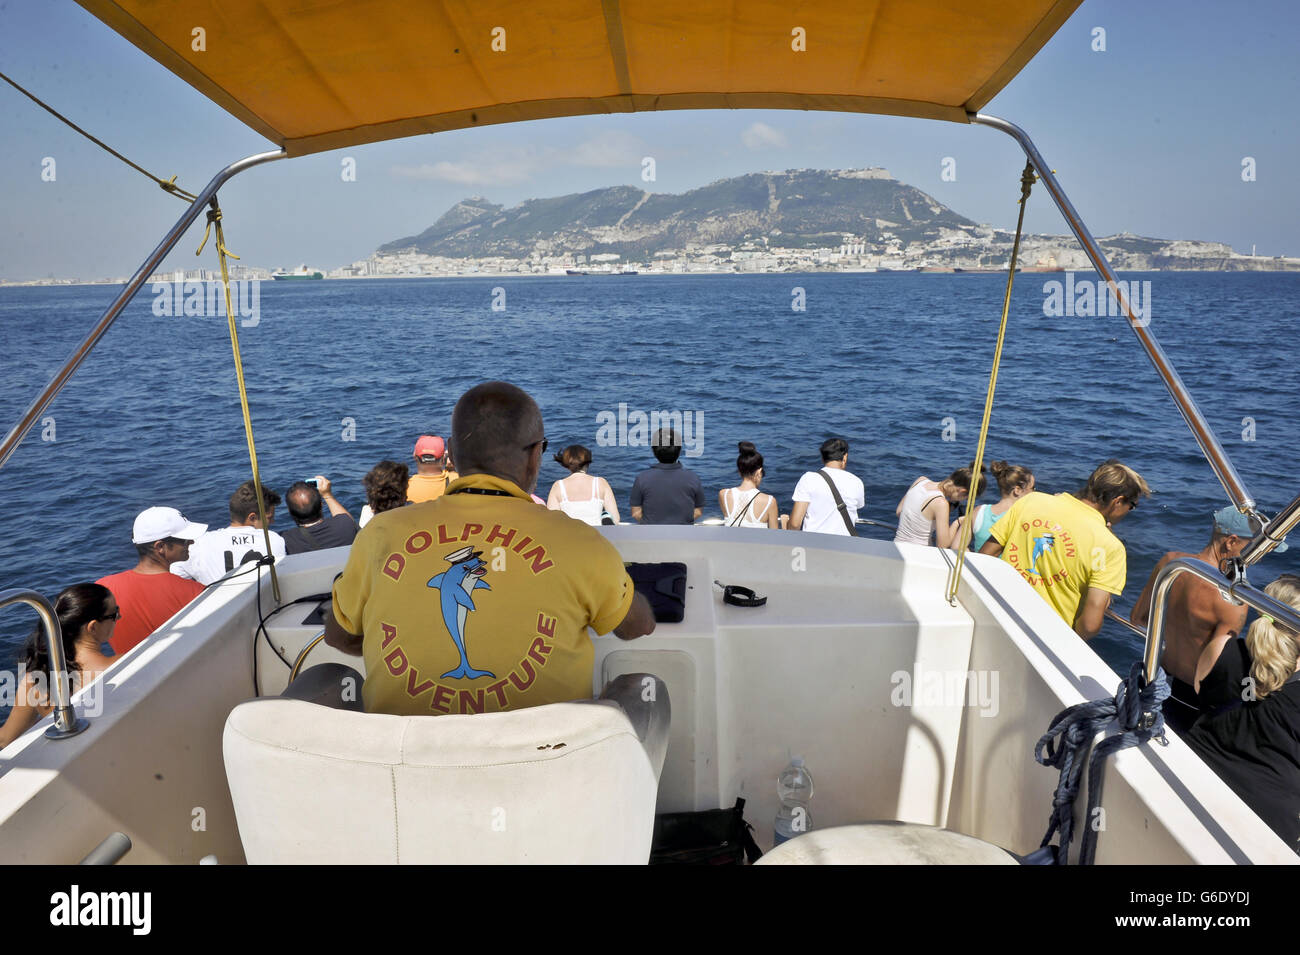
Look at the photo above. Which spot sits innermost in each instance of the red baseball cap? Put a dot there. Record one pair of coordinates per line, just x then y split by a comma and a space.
430, 446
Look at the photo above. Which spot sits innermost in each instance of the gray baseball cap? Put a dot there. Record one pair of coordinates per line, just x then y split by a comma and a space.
1229, 520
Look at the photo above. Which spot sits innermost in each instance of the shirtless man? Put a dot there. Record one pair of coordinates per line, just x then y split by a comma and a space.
1199, 620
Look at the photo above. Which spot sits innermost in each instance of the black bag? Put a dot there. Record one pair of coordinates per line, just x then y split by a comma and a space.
664, 586
713, 837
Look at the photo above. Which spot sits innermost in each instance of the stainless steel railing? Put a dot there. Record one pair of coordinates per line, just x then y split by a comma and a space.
66, 721
1205, 437
55, 385
1239, 589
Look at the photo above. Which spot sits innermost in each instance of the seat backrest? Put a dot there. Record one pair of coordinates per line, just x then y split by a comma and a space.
562, 783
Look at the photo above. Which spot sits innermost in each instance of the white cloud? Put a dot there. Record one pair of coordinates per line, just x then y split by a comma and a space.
607, 150
762, 136
501, 167
516, 164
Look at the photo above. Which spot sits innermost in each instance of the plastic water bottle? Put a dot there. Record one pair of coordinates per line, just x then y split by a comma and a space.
794, 787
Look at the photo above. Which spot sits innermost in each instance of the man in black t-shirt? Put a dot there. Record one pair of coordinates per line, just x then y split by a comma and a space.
315, 531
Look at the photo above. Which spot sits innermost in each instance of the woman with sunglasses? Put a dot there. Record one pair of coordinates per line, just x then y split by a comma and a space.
87, 613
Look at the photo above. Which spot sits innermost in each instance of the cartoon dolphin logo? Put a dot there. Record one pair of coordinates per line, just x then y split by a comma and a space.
454, 586
1041, 546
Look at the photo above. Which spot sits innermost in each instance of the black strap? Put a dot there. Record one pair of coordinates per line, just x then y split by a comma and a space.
739, 596
839, 503
306, 534
737, 519
752, 852
496, 492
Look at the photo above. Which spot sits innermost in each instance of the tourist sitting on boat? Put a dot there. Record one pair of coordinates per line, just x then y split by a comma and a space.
923, 511
580, 495
147, 595
385, 486
827, 501
218, 552
87, 613
1255, 747
433, 470
444, 630
315, 531
1063, 547
667, 493
1014, 482
1203, 656
745, 505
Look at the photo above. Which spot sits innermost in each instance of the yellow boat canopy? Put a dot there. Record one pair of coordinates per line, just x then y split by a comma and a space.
312, 75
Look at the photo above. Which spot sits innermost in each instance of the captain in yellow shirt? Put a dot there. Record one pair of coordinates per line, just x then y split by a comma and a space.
480, 601
1063, 547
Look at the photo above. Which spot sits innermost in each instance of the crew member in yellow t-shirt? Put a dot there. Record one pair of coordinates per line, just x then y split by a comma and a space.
1063, 547
480, 601
434, 473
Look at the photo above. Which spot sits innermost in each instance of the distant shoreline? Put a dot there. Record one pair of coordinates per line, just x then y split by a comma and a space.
62, 283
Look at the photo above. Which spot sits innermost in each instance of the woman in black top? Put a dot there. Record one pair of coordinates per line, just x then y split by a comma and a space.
1255, 747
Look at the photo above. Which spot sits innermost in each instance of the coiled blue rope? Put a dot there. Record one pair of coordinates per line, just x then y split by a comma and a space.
1068, 738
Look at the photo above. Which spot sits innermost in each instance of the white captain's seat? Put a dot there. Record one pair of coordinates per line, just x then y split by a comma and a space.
562, 783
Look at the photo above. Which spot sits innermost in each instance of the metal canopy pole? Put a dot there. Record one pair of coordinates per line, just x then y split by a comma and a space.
1205, 437
37, 408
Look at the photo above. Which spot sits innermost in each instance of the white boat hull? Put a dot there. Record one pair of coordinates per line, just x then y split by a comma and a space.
818, 672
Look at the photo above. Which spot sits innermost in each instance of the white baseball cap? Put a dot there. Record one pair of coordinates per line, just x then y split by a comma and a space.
158, 522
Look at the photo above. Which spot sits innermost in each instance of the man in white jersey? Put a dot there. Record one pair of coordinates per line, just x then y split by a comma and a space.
220, 551
816, 507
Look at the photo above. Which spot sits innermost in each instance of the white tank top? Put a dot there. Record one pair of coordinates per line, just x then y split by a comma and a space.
913, 527
738, 501
588, 511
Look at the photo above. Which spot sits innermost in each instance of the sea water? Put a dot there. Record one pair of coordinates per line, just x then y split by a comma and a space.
342, 374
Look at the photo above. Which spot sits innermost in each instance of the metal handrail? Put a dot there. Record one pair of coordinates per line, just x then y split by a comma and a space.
1141, 632
192, 212
1205, 437
1271, 534
1240, 590
864, 520
66, 721
108, 852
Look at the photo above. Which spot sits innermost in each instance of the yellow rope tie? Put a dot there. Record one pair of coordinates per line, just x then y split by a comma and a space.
1027, 180
214, 220
169, 184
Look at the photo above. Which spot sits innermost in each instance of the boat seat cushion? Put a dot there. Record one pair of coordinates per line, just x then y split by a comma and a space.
886, 843
562, 783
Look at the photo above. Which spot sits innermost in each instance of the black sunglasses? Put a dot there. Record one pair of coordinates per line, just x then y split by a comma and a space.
543, 442
115, 615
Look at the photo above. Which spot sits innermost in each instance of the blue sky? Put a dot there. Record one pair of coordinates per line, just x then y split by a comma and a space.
1147, 137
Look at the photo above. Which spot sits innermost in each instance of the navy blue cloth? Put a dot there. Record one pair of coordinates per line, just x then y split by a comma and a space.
337, 530
667, 494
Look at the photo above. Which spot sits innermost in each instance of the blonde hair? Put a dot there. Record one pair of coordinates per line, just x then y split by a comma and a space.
1114, 479
1274, 649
